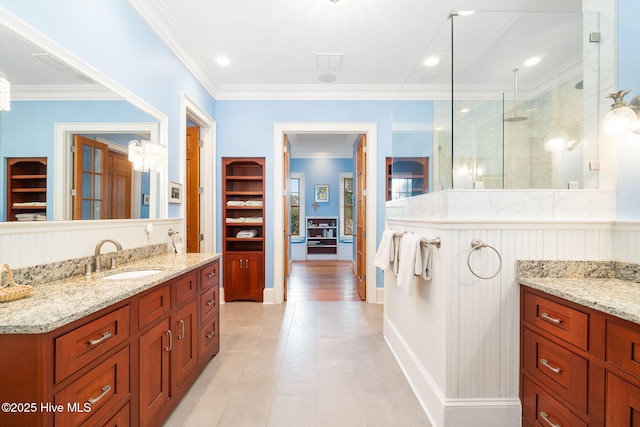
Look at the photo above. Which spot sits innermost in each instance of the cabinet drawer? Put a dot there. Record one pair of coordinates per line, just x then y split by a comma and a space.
186, 288
96, 393
209, 275
540, 409
209, 338
86, 343
154, 305
209, 303
562, 371
623, 347
563, 322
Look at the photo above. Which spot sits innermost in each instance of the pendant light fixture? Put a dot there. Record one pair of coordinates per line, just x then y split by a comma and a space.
515, 117
5, 93
147, 155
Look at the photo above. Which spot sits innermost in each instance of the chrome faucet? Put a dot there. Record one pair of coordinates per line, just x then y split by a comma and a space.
97, 253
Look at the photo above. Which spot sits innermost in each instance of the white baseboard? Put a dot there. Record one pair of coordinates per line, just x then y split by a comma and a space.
444, 412
268, 296
379, 295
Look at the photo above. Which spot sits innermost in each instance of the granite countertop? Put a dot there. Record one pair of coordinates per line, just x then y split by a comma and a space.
617, 297
54, 304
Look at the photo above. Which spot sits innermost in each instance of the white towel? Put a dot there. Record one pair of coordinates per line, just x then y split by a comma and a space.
385, 255
244, 234
423, 261
409, 249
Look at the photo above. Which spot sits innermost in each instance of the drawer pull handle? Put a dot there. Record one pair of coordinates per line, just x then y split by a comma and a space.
545, 363
170, 346
105, 336
211, 275
211, 334
93, 400
550, 318
211, 302
545, 417
181, 323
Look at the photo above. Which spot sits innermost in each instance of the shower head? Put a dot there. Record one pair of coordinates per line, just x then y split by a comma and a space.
515, 117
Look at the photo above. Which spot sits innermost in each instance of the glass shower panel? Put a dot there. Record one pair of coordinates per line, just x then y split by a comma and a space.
421, 127
528, 67
479, 149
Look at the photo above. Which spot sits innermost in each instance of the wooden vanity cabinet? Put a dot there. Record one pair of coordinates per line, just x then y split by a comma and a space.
579, 366
134, 360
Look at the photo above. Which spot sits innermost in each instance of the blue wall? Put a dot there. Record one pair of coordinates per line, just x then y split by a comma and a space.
629, 78
245, 128
321, 171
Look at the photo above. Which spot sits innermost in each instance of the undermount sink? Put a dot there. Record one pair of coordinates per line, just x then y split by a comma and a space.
136, 274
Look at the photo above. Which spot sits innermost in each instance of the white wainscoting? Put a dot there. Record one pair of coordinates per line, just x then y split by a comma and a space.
457, 336
29, 244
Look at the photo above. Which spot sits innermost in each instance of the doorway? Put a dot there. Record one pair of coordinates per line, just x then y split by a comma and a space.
198, 172
370, 131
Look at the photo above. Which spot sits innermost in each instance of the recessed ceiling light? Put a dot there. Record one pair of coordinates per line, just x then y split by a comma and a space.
466, 12
532, 61
431, 61
223, 60
464, 110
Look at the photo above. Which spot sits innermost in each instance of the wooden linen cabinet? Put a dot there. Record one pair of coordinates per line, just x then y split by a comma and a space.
243, 230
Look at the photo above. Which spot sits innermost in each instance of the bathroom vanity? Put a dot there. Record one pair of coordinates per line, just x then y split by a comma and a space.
99, 351
580, 352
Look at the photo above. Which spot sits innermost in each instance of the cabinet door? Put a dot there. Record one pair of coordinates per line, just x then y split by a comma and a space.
623, 403
243, 276
154, 370
185, 342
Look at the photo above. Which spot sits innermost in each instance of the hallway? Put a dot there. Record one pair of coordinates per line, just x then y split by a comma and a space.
322, 281
301, 364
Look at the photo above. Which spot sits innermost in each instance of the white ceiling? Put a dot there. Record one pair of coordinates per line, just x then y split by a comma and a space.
273, 46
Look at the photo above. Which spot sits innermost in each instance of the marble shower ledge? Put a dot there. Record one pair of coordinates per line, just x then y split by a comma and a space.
607, 286
52, 305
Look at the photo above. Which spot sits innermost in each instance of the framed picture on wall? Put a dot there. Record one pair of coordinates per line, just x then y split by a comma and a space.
321, 193
175, 192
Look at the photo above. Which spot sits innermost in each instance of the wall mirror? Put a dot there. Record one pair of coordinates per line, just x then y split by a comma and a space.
64, 143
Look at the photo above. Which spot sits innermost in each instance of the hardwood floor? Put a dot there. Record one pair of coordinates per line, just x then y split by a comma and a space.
322, 281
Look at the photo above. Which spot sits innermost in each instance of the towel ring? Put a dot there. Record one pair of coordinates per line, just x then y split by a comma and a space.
477, 244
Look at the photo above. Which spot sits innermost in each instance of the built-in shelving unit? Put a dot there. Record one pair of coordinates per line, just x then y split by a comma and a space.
322, 237
407, 177
243, 231
26, 189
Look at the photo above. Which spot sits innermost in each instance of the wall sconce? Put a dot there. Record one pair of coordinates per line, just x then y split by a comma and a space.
5, 93
623, 117
147, 155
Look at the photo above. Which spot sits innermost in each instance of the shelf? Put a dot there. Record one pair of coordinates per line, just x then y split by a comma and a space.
319, 246
26, 183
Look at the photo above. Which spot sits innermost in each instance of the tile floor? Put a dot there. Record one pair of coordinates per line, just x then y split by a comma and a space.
301, 364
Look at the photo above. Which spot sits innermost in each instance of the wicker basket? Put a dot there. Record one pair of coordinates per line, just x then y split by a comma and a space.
11, 291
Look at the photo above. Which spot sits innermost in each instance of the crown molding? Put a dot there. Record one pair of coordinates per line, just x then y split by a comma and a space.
332, 92
156, 15
63, 93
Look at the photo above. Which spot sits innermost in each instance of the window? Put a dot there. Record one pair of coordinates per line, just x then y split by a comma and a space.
346, 206
296, 197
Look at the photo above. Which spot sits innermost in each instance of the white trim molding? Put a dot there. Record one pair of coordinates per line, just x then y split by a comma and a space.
370, 129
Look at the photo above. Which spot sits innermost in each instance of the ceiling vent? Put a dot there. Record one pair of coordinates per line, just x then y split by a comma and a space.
329, 61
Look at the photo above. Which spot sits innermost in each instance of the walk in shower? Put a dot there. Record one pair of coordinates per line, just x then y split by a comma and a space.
502, 100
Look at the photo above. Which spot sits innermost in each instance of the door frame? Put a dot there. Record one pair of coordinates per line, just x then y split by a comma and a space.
370, 129
190, 109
